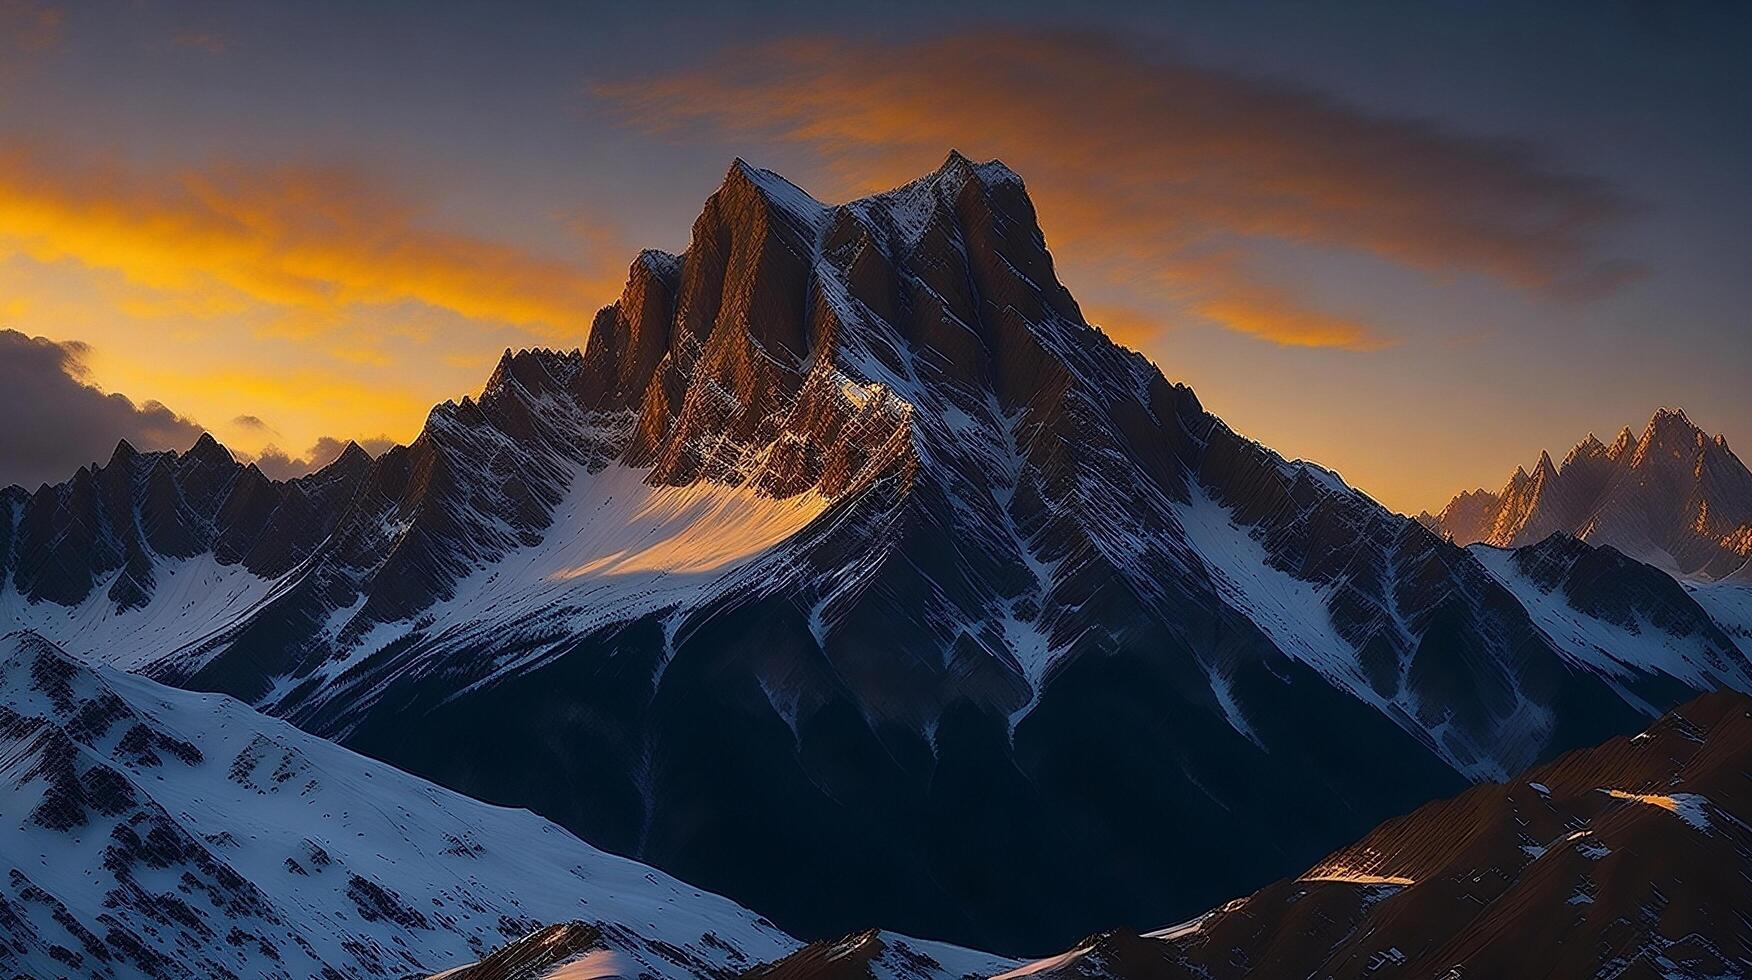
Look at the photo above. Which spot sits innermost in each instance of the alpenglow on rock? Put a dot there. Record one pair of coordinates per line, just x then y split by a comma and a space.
1676, 497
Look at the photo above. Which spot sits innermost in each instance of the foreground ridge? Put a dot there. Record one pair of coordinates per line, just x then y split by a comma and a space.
1629, 859
157, 833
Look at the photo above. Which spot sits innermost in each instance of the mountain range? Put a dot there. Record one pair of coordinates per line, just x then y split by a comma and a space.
849, 572
1675, 497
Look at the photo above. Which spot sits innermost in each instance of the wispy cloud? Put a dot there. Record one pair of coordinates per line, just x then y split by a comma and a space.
310, 243
1145, 165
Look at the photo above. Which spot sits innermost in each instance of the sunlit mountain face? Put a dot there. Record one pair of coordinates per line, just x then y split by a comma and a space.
1675, 497
403, 572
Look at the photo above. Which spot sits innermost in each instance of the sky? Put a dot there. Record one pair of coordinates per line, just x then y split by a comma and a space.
1417, 243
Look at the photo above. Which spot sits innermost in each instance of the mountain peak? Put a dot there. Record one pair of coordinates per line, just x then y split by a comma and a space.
1669, 422
1672, 497
657, 262
1590, 448
208, 450
1670, 435
956, 166
1625, 442
353, 453
124, 452
744, 180
962, 168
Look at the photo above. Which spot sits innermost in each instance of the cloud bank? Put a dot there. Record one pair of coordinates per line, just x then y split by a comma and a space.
56, 422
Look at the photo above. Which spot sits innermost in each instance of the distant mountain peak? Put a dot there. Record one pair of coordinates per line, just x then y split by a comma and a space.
124, 452
353, 454
209, 451
1625, 442
1675, 497
1589, 452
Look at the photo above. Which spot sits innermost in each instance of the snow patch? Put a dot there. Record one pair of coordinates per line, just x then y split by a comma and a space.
191, 599
1729, 603
1607, 648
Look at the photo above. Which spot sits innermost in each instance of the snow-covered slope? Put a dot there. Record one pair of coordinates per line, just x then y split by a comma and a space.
151, 832
1622, 620
160, 548
1729, 603
192, 598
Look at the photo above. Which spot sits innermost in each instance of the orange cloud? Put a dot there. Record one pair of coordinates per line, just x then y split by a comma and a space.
1273, 315
310, 242
1143, 163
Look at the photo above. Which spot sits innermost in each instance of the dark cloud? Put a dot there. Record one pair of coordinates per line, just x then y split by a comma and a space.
53, 421
280, 465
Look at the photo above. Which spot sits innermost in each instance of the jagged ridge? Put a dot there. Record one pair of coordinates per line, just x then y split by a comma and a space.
1675, 497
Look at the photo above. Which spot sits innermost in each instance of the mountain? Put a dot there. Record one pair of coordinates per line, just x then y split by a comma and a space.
1630, 859
152, 832
1676, 498
849, 572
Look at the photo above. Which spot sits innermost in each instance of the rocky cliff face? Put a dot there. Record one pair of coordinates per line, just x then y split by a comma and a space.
847, 543
1676, 498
